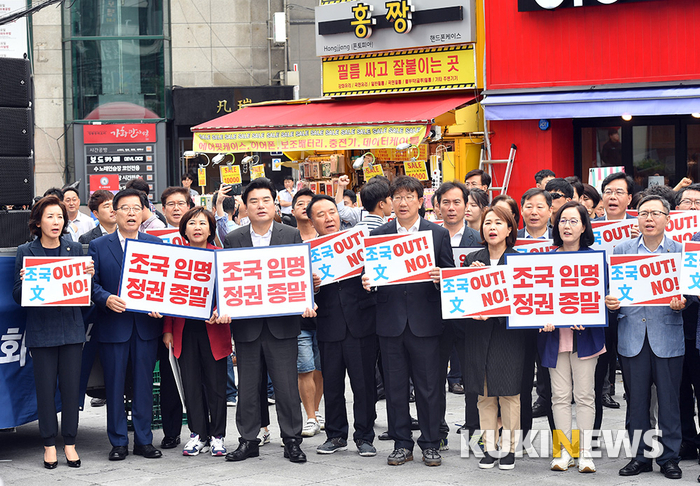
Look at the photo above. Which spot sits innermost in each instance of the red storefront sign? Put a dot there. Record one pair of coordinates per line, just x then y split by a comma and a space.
120, 133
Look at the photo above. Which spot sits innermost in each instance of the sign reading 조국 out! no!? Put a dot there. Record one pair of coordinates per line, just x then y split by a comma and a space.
265, 281
56, 281
398, 259
400, 72
338, 256
649, 279
475, 291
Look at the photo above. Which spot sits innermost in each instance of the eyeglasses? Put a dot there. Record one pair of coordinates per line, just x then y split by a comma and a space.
473, 184
556, 195
573, 222
179, 204
127, 209
409, 198
690, 203
653, 214
617, 192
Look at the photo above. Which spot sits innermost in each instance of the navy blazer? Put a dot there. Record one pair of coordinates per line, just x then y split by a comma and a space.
107, 254
49, 326
415, 304
345, 307
470, 238
283, 327
523, 234
602, 218
93, 234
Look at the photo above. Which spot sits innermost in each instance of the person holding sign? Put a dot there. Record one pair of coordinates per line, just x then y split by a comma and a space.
494, 354
651, 347
409, 326
124, 335
572, 353
347, 340
202, 348
54, 335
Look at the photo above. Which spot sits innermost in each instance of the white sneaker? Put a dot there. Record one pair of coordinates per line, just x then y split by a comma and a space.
263, 437
311, 428
194, 446
585, 465
562, 463
321, 420
217, 446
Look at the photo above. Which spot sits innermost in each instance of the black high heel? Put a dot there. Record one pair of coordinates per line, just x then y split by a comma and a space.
72, 463
50, 465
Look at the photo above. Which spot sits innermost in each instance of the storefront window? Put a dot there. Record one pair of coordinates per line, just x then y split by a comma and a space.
90, 18
654, 155
694, 153
601, 147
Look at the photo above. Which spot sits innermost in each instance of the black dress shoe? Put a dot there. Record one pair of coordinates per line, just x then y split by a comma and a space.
671, 470
293, 452
456, 388
118, 453
170, 442
635, 467
414, 424
245, 449
147, 451
609, 402
538, 410
384, 436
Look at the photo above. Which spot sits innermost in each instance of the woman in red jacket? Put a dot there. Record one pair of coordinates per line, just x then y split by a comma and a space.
201, 348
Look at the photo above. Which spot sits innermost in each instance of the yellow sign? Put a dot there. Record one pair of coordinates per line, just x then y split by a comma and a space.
416, 168
375, 170
400, 72
230, 174
393, 155
257, 171
202, 176
294, 139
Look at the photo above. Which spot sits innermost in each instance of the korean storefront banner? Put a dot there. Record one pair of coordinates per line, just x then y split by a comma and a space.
649, 279
534, 245
56, 281
173, 280
338, 256
609, 234
475, 291
564, 289
690, 268
399, 258
265, 281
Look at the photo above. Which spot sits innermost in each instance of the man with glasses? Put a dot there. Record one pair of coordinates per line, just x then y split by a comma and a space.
176, 202
562, 192
477, 179
125, 336
651, 348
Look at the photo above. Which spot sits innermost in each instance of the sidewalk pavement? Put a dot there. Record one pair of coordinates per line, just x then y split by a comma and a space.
21, 460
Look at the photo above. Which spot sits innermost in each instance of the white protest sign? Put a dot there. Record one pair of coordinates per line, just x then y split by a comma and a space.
56, 281
338, 256
399, 258
475, 291
609, 234
171, 236
460, 254
682, 225
562, 288
534, 245
266, 281
690, 268
649, 279
173, 280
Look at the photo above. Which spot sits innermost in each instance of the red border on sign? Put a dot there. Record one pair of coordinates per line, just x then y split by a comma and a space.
120, 133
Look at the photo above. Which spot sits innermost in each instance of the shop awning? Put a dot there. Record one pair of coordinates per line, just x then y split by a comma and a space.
592, 104
318, 125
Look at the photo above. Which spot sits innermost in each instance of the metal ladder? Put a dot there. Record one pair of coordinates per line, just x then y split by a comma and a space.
487, 166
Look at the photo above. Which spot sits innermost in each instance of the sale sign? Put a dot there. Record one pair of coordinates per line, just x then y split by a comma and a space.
372, 171
460, 254
56, 281
475, 291
338, 256
534, 245
257, 171
609, 234
265, 281
230, 174
416, 168
690, 268
399, 258
562, 288
648, 279
170, 236
173, 280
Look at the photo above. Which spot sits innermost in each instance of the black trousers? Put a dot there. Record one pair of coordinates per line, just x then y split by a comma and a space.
453, 336
356, 356
204, 385
609, 360
62, 362
640, 372
416, 357
280, 356
170, 404
690, 393
601, 372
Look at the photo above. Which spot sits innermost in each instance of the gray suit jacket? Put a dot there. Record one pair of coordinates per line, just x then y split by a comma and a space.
470, 238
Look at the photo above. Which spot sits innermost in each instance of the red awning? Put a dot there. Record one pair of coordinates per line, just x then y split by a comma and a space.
418, 108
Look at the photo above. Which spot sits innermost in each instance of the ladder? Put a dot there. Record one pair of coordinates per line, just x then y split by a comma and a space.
487, 166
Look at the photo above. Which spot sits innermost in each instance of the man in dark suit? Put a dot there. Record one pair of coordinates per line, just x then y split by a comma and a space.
536, 208
347, 340
124, 335
100, 203
272, 340
409, 326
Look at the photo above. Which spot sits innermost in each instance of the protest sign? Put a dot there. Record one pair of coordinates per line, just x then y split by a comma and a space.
338, 256
682, 225
173, 280
265, 281
230, 174
170, 236
399, 258
690, 268
609, 234
649, 279
534, 245
475, 291
56, 281
562, 288
460, 254
416, 168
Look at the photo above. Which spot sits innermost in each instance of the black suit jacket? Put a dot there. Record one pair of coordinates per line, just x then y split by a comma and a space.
345, 307
470, 238
93, 234
415, 304
523, 234
283, 327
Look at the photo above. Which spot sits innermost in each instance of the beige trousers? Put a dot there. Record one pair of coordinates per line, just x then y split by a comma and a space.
488, 420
